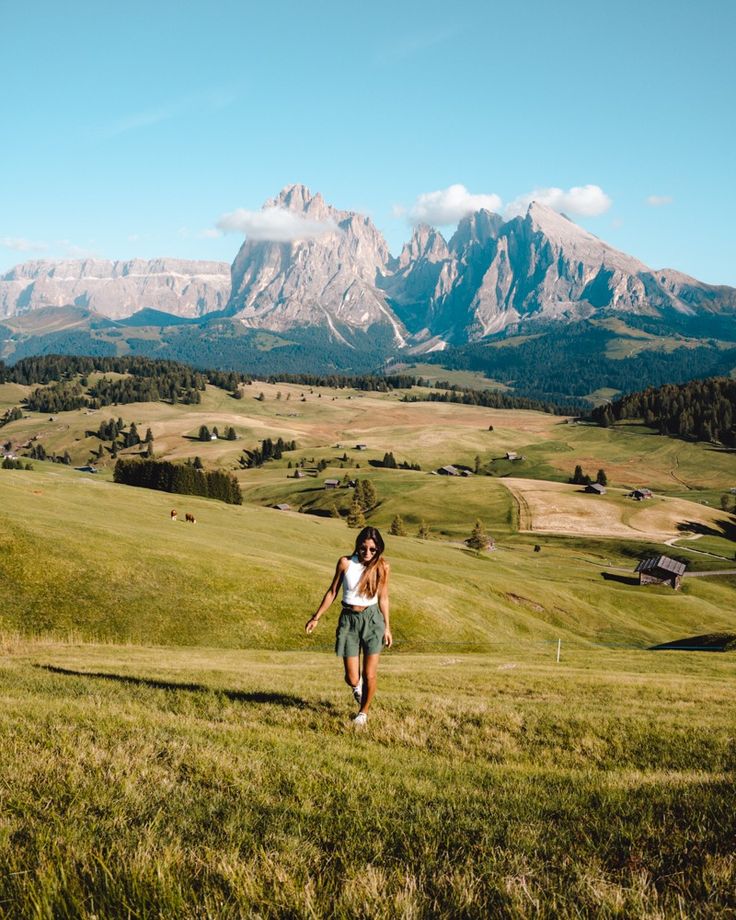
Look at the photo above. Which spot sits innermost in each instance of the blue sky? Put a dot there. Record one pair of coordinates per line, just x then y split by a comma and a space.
129, 129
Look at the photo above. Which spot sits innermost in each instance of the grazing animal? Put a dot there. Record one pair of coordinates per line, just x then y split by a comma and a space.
190, 519
173, 514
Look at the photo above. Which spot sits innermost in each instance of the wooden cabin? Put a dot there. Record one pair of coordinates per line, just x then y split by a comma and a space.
660, 570
595, 488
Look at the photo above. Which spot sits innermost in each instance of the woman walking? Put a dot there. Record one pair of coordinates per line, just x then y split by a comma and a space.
364, 620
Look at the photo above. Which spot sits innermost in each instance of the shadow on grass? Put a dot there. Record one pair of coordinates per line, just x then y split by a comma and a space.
709, 642
621, 579
239, 696
724, 528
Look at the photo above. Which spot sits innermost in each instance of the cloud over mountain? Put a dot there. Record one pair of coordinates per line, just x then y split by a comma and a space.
581, 200
450, 205
274, 225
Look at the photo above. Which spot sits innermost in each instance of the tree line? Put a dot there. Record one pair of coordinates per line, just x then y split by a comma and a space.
701, 410
268, 450
568, 361
183, 478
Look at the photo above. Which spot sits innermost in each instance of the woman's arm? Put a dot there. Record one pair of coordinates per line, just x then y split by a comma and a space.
342, 564
383, 606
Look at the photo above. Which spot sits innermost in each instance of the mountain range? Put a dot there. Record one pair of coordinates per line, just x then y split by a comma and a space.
489, 277
320, 292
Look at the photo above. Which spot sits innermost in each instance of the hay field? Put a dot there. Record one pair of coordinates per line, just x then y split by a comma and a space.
562, 508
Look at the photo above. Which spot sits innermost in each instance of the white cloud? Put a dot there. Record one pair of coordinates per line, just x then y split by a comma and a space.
20, 244
581, 200
449, 205
658, 201
277, 225
209, 233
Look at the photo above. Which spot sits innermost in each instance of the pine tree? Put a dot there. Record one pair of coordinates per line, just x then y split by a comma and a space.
424, 531
370, 496
601, 478
478, 539
204, 433
578, 477
355, 518
397, 528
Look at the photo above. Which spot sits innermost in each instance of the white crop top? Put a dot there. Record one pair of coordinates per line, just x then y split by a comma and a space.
350, 579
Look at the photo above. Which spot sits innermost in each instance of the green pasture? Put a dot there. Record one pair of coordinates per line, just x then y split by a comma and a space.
164, 782
433, 373
430, 434
83, 556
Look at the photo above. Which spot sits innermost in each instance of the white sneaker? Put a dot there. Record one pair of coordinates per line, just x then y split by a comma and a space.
360, 720
358, 692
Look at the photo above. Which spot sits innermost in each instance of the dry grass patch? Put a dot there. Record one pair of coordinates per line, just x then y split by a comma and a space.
562, 508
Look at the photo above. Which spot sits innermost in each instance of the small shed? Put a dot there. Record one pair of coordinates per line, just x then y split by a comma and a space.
640, 495
332, 483
448, 470
466, 472
660, 570
298, 474
213, 437
282, 506
361, 447
511, 455
595, 488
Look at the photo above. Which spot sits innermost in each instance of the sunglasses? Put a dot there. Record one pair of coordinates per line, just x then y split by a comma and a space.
368, 549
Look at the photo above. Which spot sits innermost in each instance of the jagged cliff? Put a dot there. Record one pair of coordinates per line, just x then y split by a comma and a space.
332, 269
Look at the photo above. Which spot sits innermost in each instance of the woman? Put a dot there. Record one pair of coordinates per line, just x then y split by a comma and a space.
364, 620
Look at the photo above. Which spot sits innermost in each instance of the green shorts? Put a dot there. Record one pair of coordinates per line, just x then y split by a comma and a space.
359, 631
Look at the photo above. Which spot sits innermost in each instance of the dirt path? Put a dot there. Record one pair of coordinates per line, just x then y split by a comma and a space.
708, 574
675, 477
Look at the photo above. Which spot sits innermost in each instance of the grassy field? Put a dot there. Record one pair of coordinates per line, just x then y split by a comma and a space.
173, 745
206, 783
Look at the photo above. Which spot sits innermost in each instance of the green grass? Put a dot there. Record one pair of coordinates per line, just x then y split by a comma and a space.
433, 373
173, 745
104, 561
196, 783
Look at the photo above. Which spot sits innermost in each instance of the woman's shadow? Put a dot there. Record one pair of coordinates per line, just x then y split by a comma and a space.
287, 700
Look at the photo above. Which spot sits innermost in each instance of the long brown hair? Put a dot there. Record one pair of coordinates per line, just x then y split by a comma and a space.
375, 571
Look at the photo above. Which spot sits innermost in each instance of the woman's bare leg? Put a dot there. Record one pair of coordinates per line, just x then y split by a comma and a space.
370, 671
352, 671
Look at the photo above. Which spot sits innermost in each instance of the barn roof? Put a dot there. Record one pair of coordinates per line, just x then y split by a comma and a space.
662, 564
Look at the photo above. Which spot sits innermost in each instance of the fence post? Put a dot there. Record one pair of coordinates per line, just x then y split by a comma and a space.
559, 649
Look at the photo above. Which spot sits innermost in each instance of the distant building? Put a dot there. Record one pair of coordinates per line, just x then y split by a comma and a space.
448, 471
213, 437
659, 570
511, 455
466, 473
298, 474
332, 483
595, 488
640, 495
282, 506
361, 447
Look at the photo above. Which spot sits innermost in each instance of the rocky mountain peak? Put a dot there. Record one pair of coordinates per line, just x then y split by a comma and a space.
425, 243
479, 227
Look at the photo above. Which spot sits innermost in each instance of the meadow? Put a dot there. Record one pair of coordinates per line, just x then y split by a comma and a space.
173, 744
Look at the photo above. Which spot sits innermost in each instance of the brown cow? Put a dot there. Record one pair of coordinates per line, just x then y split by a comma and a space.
190, 519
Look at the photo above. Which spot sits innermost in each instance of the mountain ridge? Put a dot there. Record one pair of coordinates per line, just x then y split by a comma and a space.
332, 269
